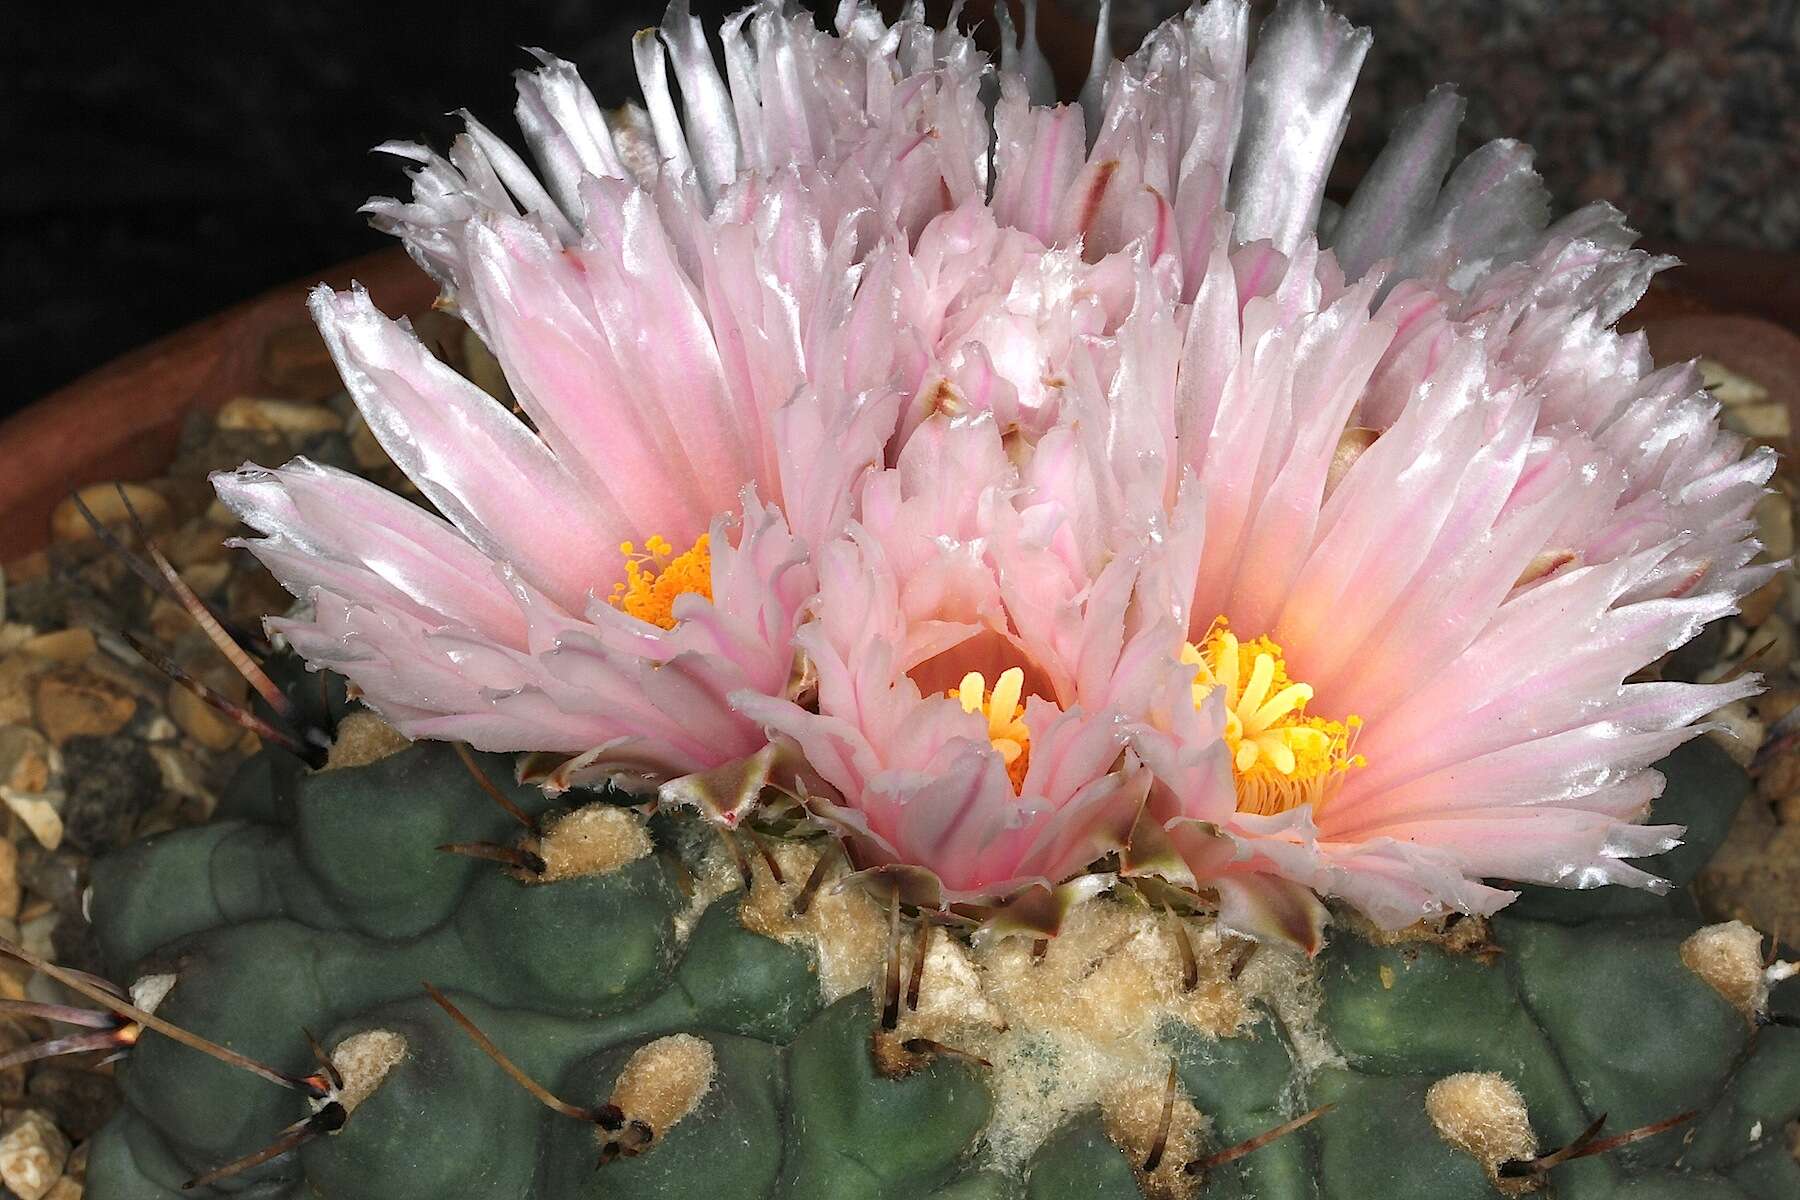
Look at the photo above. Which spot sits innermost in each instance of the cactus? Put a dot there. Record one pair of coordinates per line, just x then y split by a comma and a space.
703, 1039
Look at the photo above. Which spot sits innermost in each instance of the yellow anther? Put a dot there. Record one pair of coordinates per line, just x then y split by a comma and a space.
1281, 757
655, 577
1005, 717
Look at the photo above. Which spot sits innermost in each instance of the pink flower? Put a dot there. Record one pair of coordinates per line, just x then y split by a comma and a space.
1447, 512
670, 300
1457, 557
948, 735
1081, 484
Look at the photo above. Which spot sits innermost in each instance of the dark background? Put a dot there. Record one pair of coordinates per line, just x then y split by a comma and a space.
164, 161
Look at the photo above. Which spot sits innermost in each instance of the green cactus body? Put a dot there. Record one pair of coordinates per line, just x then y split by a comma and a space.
319, 900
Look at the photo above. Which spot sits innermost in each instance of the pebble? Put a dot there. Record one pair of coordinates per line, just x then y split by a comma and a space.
289, 417
36, 933
123, 670
1777, 703
26, 759
1739, 734
16, 672
182, 777
33, 1152
1759, 605
1780, 777
200, 720
194, 544
80, 1101
1766, 421
55, 878
1774, 645
208, 577
1728, 387
33, 566
73, 703
169, 621
61, 646
15, 976
1775, 525
112, 782
68, 525
40, 815
159, 729
10, 891
13, 1036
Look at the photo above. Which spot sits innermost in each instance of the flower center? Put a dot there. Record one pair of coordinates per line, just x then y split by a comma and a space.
1004, 713
1281, 757
656, 575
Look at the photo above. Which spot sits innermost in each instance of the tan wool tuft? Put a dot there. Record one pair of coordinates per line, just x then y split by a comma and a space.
846, 931
363, 738
663, 1081
1115, 974
1078, 1024
714, 876
1132, 1117
951, 997
1456, 933
1730, 958
1081, 1024
1483, 1115
364, 1060
592, 840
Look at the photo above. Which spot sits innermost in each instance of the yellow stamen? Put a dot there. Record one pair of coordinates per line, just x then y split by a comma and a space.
1005, 717
1281, 757
655, 576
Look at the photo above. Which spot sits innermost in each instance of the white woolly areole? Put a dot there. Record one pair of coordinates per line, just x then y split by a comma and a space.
592, 840
1729, 957
1133, 1120
364, 1060
845, 931
1083, 1025
665, 1080
150, 990
1080, 1027
1483, 1115
363, 738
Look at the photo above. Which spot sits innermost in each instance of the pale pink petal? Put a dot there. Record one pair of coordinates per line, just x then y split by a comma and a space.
326, 527
1295, 108
477, 463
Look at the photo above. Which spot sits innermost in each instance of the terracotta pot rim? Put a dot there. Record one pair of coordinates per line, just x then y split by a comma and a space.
123, 419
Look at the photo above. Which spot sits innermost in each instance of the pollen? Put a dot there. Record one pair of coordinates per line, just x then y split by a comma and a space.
1281, 757
656, 575
1005, 717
